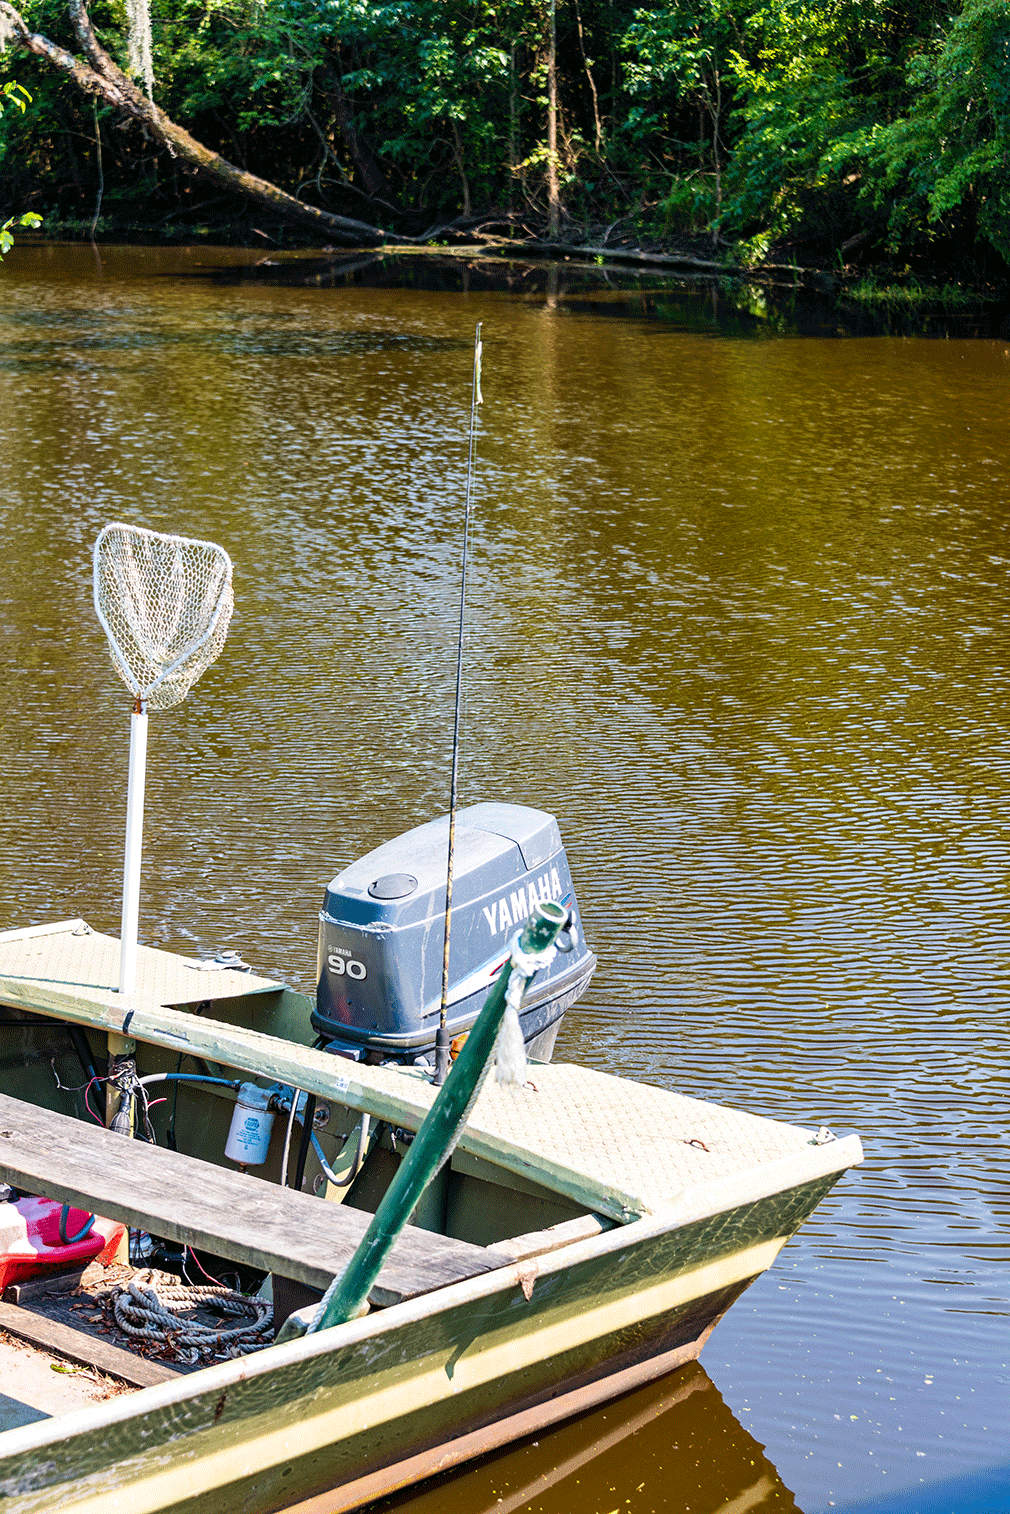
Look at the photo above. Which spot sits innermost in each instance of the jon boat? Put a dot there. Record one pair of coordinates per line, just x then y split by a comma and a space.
585, 1237
572, 1235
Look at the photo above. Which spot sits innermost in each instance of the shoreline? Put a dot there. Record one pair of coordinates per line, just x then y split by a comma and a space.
934, 285
883, 296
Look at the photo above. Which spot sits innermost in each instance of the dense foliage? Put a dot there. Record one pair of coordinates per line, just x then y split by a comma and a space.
845, 128
13, 93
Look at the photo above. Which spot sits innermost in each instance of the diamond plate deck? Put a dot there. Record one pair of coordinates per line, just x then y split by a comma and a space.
70, 954
619, 1147
629, 1137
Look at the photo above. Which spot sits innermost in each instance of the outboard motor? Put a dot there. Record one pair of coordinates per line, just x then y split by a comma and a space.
382, 932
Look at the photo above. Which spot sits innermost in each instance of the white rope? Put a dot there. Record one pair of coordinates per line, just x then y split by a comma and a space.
509, 1046
509, 1051
529, 963
317, 1318
149, 1309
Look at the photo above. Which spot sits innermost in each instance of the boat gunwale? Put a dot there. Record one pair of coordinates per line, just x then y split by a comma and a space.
703, 1201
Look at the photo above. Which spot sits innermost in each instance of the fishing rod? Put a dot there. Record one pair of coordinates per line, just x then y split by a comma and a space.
442, 1034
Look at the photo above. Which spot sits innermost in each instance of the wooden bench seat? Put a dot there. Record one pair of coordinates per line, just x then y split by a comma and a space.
226, 1212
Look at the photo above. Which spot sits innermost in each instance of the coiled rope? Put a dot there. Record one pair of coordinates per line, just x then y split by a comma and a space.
149, 1309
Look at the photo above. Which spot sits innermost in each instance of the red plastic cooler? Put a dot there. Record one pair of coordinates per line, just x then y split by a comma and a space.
30, 1243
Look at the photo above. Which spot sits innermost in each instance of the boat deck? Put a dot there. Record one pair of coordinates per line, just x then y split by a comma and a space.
618, 1148
230, 1213
45, 1384
70, 955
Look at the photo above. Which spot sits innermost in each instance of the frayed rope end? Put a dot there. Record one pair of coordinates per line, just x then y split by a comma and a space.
510, 1049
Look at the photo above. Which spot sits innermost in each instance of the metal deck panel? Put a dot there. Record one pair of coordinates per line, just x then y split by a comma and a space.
619, 1147
70, 954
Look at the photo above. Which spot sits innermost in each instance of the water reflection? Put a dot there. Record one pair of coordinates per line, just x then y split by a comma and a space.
716, 304
674, 1445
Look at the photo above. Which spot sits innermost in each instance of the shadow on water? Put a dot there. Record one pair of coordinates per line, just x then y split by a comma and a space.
673, 1445
62, 340
721, 305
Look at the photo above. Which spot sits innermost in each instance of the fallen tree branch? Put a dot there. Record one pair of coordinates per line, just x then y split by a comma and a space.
615, 255
784, 268
647, 259
102, 79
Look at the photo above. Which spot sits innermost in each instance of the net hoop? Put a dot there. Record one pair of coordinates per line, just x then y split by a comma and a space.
165, 603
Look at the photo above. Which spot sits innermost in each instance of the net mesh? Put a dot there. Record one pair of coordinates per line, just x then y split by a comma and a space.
165, 603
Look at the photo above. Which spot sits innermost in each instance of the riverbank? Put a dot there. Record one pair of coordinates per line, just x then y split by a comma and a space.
675, 284
950, 285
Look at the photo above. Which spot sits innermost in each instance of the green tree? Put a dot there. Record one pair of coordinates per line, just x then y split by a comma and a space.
12, 93
827, 123
946, 162
685, 49
400, 98
801, 115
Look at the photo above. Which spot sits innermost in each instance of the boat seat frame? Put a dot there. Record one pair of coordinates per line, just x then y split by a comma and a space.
229, 1213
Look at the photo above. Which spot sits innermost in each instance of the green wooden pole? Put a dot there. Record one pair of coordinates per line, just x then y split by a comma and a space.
437, 1133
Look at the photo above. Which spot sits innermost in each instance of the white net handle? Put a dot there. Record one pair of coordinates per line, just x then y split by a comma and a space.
165, 603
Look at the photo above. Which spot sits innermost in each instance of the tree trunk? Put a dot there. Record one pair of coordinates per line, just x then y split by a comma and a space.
102, 79
467, 212
372, 176
715, 111
552, 120
101, 172
592, 83
513, 127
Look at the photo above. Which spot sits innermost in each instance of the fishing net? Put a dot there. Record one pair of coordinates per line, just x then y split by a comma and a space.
165, 603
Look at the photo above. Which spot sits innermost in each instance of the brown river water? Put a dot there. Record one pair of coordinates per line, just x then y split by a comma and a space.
739, 616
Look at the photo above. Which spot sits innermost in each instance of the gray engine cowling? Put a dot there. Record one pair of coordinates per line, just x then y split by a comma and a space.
381, 933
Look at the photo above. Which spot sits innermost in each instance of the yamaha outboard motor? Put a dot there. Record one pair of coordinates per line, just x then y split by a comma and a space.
382, 931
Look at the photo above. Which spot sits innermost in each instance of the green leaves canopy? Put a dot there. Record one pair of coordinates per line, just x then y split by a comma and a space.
947, 160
